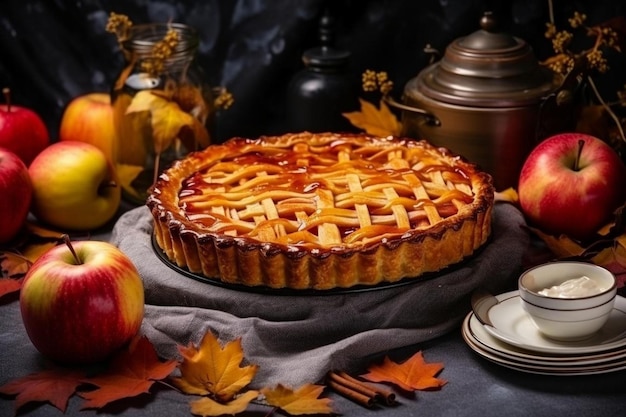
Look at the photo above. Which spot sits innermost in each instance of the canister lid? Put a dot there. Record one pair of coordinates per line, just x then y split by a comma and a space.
487, 68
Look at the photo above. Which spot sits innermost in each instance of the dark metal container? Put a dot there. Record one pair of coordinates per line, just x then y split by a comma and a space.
489, 100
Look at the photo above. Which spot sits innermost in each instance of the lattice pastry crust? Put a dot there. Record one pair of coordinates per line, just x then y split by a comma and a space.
320, 211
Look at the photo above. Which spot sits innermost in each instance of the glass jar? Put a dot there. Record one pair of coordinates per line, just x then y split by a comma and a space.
163, 106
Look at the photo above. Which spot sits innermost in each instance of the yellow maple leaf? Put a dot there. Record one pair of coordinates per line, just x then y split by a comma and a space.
131, 126
375, 121
39, 241
212, 370
167, 118
304, 400
413, 374
509, 195
207, 407
126, 174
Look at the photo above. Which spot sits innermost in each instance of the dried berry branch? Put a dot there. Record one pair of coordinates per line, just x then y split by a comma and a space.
161, 51
589, 59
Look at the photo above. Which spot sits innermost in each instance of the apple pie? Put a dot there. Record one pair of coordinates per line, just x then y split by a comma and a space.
320, 211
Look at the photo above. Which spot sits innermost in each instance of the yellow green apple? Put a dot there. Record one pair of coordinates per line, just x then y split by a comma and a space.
74, 186
81, 301
89, 118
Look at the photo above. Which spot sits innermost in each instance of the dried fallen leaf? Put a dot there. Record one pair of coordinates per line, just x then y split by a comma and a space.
413, 374
194, 137
614, 259
375, 121
304, 400
206, 406
131, 372
35, 240
54, 386
10, 285
15, 261
13, 268
508, 196
607, 252
44, 234
126, 174
561, 246
167, 118
132, 152
212, 370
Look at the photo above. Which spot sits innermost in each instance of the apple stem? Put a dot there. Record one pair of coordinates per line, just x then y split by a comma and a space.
7, 96
581, 143
67, 241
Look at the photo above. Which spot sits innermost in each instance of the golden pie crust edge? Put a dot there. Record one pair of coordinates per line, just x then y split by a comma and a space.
244, 261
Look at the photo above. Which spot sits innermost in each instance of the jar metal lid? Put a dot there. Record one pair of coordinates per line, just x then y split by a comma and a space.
487, 68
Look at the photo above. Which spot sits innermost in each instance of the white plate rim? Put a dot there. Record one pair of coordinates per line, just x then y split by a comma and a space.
555, 347
477, 332
541, 370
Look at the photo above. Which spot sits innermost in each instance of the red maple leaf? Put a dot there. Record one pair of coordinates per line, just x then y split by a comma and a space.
54, 386
130, 373
10, 285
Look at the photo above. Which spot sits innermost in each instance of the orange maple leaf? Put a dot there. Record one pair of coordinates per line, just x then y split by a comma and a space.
413, 374
206, 406
54, 386
131, 372
15, 261
375, 121
304, 400
212, 370
38, 240
13, 269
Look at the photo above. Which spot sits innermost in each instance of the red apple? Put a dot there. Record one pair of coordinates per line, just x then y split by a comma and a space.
89, 118
82, 301
74, 186
571, 184
16, 192
21, 130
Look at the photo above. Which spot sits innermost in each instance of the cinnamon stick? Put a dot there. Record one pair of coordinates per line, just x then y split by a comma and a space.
388, 396
352, 394
352, 384
358, 391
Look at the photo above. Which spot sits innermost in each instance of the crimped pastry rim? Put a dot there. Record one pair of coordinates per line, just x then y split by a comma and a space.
163, 204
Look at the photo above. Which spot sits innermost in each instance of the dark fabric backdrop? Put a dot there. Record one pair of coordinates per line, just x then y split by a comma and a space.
53, 50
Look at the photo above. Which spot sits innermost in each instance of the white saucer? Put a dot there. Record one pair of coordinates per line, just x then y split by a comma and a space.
604, 365
476, 333
511, 324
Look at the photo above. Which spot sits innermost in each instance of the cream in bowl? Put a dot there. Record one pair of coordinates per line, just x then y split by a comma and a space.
582, 286
568, 300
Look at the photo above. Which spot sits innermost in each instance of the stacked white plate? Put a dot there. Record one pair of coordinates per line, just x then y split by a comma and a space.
515, 342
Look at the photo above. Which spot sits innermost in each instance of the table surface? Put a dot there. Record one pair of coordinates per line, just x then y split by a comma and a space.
475, 386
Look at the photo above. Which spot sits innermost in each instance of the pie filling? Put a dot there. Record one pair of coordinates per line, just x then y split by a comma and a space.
320, 211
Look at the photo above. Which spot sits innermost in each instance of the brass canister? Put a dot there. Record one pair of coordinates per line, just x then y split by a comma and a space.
489, 100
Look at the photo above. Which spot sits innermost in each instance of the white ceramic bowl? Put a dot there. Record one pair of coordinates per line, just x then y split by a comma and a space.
567, 317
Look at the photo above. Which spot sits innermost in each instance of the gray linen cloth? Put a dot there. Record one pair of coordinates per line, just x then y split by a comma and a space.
296, 338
